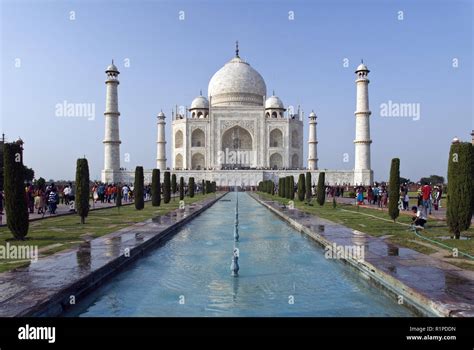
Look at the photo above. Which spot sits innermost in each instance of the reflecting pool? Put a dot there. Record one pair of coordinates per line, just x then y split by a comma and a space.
282, 273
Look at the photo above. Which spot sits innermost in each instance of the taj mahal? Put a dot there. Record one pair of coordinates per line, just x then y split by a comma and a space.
238, 135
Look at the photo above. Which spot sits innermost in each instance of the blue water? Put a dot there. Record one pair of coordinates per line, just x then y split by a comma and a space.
282, 273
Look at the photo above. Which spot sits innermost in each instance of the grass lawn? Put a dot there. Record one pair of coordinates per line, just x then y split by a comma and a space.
378, 223
63, 232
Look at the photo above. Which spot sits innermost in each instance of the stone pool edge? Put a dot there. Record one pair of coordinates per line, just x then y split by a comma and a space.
413, 298
55, 305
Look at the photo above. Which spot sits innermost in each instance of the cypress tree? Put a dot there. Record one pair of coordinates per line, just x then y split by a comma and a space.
308, 186
394, 189
181, 188
203, 187
208, 186
155, 188
321, 195
214, 186
82, 189
138, 190
292, 187
191, 187
13, 181
283, 187
460, 191
167, 187
118, 198
301, 187
287, 187
174, 184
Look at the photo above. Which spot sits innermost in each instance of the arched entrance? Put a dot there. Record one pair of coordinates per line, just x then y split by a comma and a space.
197, 161
237, 149
276, 161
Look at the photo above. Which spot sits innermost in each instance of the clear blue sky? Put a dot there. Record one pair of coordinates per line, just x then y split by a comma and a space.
171, 60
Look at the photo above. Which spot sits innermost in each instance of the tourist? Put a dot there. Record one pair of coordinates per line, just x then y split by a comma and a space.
419, 220
66, 194
406, 201
426, 195
376, 194
72, 194
30, 200
125, 191
101, 192
53, 199
384, 198
360, 196
436, 195
440, 195
370, 195
95, 195
39, 201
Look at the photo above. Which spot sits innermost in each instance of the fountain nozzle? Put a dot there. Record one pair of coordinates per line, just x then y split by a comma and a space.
234, 267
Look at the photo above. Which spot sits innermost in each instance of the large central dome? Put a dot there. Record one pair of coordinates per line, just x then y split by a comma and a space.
237, 83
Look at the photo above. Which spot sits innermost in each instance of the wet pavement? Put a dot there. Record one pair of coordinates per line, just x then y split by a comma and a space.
45, 285
444, 288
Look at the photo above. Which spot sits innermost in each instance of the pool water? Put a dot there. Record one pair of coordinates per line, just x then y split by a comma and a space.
282, 273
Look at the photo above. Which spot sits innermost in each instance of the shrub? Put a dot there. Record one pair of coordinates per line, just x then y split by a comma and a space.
321, 195
82, 189
181, 188
15, 204
460, 188
156, 188
138, 190
301, 187
191, 187
394, 189
167, 187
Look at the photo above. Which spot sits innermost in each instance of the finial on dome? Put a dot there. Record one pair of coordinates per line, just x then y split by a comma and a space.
362, 60
200, 92
112, 61
237, 48
273, 93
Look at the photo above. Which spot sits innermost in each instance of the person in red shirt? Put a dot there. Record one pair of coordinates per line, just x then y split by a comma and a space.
426, 196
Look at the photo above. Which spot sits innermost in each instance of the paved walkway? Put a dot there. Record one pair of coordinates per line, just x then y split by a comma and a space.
445, 288
63, 209
435, 214
41, 288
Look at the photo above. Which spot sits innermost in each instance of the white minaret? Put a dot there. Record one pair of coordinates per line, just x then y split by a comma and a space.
161, 143
362, 173
111, 172
312, 143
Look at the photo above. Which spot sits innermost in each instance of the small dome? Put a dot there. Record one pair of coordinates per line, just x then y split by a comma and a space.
312, 114
200, 102
274, 102
161, 115
111, 68
362, 67
456, 140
